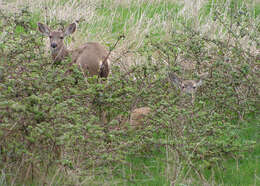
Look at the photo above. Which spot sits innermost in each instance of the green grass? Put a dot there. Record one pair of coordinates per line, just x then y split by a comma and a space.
122, 19
241, 171
148, 170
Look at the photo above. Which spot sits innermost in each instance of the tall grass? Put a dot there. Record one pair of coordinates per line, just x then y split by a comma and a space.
104, 21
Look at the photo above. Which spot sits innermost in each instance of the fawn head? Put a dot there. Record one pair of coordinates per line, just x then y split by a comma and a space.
190, 86
56, 37
187, 86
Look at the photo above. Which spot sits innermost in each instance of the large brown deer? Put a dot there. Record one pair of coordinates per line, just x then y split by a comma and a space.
92, 57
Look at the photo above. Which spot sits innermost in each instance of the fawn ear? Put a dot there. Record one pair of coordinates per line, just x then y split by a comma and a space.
70, 29
175, 80
199, 83
44, 29
204, 75
202, 78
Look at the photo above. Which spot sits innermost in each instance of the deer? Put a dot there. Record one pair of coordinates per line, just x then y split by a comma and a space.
187, 86
92, 57
138, 115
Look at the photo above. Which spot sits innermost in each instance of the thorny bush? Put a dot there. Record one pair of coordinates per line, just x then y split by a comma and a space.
46, 119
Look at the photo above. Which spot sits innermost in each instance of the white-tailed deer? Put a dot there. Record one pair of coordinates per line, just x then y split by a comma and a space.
187, 86
91, 57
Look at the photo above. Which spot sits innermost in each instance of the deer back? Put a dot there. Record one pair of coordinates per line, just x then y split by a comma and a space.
138, 115
90, 57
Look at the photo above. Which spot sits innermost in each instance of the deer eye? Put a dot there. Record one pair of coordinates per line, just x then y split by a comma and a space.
194, 87
61, 37
50, 37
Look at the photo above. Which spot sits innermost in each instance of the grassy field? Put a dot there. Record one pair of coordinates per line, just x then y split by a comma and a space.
215, 141
155, 168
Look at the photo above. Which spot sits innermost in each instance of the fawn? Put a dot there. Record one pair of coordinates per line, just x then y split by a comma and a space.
187, 86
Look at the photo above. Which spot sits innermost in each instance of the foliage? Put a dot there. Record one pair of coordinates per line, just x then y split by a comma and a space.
51, 115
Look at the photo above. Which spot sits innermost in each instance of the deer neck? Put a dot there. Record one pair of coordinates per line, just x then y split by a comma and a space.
59, 53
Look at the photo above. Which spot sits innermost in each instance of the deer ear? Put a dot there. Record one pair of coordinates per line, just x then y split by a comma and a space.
70, 29
204, 75
199, 83
44, 29
175, 80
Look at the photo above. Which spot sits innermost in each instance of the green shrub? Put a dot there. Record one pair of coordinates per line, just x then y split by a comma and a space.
49, 120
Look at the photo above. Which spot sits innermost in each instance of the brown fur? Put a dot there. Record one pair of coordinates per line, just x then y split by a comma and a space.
138, 115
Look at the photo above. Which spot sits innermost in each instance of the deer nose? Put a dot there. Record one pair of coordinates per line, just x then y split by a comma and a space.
53, 45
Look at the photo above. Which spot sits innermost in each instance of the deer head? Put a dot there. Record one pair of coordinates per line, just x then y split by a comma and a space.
58, 49
186, 86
